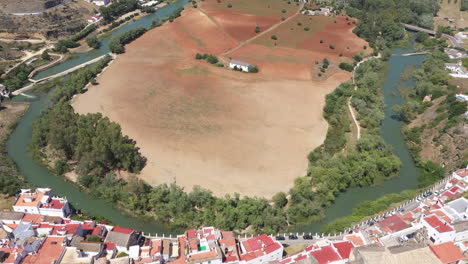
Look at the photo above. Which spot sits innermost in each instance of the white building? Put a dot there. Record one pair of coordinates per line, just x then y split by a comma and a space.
461, 36
244, 66
4, 91
260, 249
41, 202
438, 231
456, 70
455, 54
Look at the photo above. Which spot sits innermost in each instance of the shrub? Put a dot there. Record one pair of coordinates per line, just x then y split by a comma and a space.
93, 42
274, 37
257, 29
229, 5
283, 11
346, 66
321, 41
253, 69
332, 47
306, 28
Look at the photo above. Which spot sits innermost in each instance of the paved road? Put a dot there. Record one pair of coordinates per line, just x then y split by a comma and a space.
452, 39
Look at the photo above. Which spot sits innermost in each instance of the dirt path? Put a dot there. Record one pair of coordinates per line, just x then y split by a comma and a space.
243, 43
351, 110
28, 56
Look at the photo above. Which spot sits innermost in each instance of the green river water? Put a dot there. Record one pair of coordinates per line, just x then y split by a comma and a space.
39, 176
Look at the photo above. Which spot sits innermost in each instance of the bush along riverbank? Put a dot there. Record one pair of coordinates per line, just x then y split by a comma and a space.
421, 125
434, 120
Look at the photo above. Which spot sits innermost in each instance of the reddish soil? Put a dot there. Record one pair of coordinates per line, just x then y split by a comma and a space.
337, 34
199, 124
242, 26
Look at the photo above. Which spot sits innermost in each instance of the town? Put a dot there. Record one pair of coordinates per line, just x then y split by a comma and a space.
433, 228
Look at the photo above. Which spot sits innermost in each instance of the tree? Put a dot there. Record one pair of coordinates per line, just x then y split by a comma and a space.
45, 55
346, 66
253, 69
257, 29
93, 42
274, 37
280, 200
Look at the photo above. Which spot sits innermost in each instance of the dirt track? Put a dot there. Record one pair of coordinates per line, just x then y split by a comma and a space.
203, 125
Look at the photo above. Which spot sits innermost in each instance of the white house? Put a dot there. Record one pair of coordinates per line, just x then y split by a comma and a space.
260, 249
457, 70
438, 231
4, 91
41, 202
461, 36
455, 54
101, 2
244, 66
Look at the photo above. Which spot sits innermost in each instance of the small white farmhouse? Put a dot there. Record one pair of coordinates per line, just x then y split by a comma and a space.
244, 66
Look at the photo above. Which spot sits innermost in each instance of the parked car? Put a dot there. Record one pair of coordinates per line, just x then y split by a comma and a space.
280, 238
292, 237
308, 237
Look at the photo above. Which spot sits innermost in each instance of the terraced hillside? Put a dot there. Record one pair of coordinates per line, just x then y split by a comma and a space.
52, 19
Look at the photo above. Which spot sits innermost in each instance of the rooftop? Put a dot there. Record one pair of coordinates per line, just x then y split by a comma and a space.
394, 223
437, 224
49, 252
325, 255
447, 252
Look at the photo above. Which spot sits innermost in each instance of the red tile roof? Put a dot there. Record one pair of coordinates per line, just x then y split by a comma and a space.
447, 252
437, 224
252, 244
454, 189
343, 248
109, 245
272, 247
325, 255
462, 173
394, 223
191, 233
53, 204
50, 251
449, 195
123, 230
355, 239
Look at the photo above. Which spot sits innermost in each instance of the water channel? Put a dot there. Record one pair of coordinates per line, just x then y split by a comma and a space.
38, 174
391, 133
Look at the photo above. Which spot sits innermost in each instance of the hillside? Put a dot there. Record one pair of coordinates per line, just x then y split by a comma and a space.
441, 143
55, 18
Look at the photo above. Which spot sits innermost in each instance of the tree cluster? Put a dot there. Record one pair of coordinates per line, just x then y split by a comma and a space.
111, 12
380, 20
117, 44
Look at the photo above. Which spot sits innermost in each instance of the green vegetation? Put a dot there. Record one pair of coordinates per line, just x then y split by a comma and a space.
45, 55
257, 29
117, 44
464, 5
212, 59
346, 66
367, 208
84, 33
93, 42
274, 37
379, 21
111, 12
18, 77
117, 23
63, 45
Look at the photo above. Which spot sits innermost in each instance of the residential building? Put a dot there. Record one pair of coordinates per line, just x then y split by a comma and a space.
410, 254
123, 238
11, 217
50, 252
438, 231
455, 54
41, 202
462, 98
462, 36
240, 65
447, 252
457, 70
260, 249
4, 92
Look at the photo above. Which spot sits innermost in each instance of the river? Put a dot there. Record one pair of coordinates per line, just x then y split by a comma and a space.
391, 133
39, 176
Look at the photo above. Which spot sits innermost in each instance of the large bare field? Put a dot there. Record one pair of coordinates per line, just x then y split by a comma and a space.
450, 9
199, 124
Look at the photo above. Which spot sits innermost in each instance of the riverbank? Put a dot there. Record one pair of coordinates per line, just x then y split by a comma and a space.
10, 178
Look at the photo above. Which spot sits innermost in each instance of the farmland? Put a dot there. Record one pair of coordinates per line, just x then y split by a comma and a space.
226, 131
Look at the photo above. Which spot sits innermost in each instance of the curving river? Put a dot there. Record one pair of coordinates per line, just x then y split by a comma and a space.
39, 176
